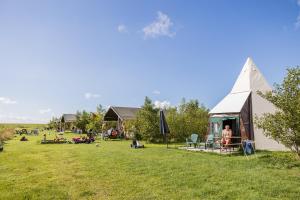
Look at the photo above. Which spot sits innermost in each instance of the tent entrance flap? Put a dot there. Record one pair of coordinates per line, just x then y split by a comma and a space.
233, 125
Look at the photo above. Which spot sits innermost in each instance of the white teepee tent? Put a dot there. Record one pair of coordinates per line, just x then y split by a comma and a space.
244, 91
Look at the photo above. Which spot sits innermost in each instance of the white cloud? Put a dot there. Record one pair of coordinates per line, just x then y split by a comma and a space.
157, 92
122, 28
160, 27
162, 104
5, 100
89, 95
44, 111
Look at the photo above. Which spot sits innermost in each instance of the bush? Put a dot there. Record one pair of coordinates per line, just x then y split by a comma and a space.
188, 118
280, 160
6, 134
147, 122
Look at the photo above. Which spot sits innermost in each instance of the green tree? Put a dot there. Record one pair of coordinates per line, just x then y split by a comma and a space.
100, 110
96, 120
54, 123
189, 117
147, 122
82, 120
284, 124
130, 128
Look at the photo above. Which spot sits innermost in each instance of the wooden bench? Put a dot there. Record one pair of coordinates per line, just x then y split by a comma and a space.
231, 146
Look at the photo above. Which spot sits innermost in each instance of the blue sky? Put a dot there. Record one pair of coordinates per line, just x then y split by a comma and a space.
62, 56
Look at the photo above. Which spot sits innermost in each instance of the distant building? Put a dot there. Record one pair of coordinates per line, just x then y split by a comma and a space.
68, 121
120, 114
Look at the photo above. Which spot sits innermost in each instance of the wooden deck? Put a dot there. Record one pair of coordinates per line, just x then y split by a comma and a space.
202, 149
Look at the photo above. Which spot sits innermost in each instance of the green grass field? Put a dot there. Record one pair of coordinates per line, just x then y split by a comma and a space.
29, 126
30, 170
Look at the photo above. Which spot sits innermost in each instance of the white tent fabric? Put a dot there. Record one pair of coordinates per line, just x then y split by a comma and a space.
232, 103
259, 107
249, 81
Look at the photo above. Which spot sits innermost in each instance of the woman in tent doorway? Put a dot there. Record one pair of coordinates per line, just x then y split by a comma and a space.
226, 136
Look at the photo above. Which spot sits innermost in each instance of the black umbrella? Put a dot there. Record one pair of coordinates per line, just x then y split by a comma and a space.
164, 128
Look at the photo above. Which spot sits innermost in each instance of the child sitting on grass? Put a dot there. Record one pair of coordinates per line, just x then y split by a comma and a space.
135, 144
23, 138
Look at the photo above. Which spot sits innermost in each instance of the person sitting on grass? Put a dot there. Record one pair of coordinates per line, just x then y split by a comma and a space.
226, 136
23, 138
1, 146
135, 144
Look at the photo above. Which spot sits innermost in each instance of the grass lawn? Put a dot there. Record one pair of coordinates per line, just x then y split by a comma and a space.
30, 170
28, 126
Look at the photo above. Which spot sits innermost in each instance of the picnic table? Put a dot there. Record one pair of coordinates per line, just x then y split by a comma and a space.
236, 141
240, 143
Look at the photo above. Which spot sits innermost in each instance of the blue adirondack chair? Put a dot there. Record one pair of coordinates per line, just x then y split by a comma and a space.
209, 141
192, 140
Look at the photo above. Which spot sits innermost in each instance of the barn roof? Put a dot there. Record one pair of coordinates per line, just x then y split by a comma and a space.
124, 113
68, 118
